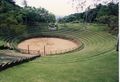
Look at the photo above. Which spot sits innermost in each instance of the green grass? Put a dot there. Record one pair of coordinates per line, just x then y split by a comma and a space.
1, 43
97, 62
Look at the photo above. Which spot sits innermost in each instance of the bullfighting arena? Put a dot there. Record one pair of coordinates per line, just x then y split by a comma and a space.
47, 45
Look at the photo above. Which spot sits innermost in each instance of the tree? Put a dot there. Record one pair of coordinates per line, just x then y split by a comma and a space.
25, 3
11, 1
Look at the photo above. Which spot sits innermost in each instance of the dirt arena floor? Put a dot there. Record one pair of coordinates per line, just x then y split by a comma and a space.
47, 45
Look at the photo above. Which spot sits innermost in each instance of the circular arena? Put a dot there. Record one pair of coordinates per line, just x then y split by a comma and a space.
96, 53
47, 45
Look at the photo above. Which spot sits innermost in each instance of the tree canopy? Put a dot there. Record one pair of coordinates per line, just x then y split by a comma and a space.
15, 20
106, 14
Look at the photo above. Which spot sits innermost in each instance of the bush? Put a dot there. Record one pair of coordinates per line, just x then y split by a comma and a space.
111, 21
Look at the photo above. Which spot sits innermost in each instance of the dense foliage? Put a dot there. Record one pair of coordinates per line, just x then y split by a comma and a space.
106, 14
15, 20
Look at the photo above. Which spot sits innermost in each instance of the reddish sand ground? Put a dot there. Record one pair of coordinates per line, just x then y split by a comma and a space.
47, 45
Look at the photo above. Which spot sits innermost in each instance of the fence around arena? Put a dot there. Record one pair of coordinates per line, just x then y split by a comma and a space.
44, 53
19, 39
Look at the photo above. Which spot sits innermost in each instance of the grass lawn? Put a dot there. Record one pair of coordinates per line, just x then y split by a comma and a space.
97, 62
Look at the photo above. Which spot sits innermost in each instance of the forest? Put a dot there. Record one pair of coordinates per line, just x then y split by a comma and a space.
15, 20
102, 14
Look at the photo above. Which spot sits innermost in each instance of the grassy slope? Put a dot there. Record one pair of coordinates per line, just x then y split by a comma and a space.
97, 62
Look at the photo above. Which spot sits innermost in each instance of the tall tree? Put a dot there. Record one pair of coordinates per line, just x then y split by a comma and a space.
25, 3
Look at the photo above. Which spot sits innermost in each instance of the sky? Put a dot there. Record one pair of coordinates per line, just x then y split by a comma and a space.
58, 7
